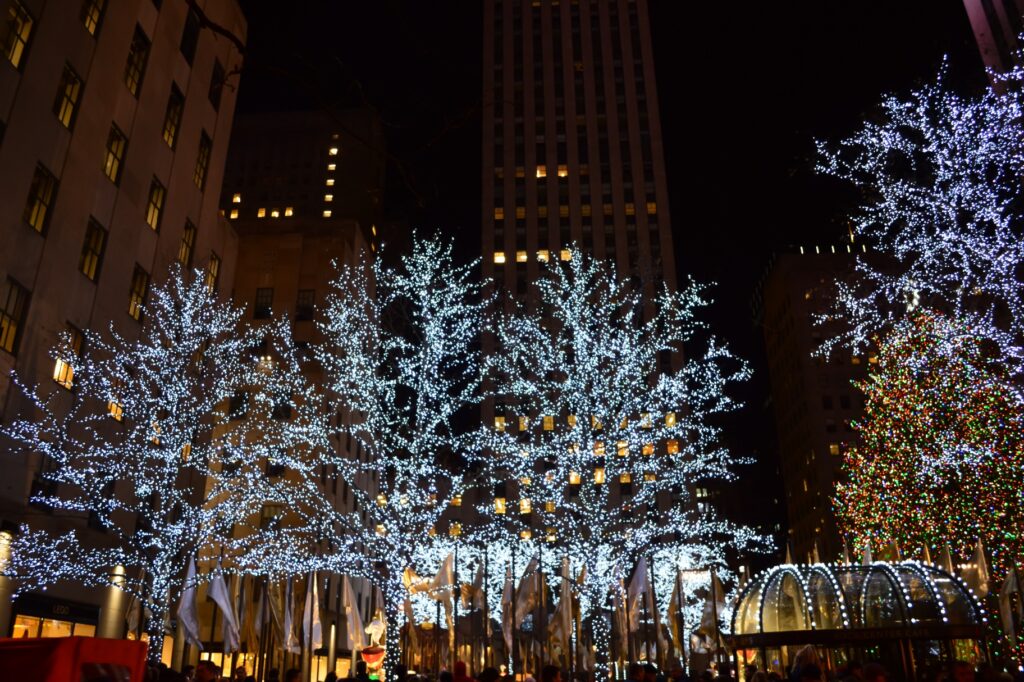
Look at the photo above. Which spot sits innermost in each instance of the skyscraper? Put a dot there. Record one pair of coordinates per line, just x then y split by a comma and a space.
114, 125
572, 148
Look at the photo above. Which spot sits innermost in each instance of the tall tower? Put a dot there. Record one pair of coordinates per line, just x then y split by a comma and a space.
997, 26
572, 148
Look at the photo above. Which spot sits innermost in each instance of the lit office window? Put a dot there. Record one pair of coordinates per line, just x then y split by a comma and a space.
499, 257
155, 205
63, 369
138, 292
12, 315
92, 15
114, 158
202, 160
172, 118
135, 69
40, 198
188, 242
68, 92
15, 32
92, 250
213, 273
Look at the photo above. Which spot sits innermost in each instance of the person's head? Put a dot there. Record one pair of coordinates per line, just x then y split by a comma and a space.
188, 671
963, 672
207, 671
550, 673
239, 672
748, 670
446, 676
873, 672
724, 669
650, 673
333, 676
489, 675
855, 669
636, 671
807, 656
758, 676
677, 672
292, 675
810, 673
460, 669
360, 667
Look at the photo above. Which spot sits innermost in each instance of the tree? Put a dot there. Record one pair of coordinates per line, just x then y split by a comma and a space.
939, 174
939, 450
402, 358
604, 439
162, 444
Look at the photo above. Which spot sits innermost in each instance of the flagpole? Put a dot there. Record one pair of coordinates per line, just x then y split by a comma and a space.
714, 612
654, 606
512, 605
486, 609
455, 598
680, 621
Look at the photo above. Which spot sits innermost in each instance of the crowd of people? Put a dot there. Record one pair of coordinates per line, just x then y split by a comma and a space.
807, 667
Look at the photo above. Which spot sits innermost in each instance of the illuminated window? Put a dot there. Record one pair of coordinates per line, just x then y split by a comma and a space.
457, 501
172, 118
381, 530
855, 360
68, 92
155, 205
455, 530
565, 254
15, 33
327, 213
188, 242
525, 534
571, 421
574, 478
563, 171
670, 419
114, 159
499, 213
872, 358
202, 160
606, 209
288, 211
137, 294
332, 166
525, 506
274, 213
499, 257
542, 211
630, 209
92, 250
595, 423
599, 449
186, 451
330, 182
543, 255
624, 424
585, 210
92, 15
549, 423
500, 506
805, 485
138, 53
542, 171
625, 478
217, 80
650, 476
563, 211
328, 198
645, 420
499, 424
549, 506
522, 256
63, 371
373, 229
12, 315
520, 211
520, 172
262, 307
599, 475
333, 151
833, 448
212, 273
40, 198
648, 449
524, 422
622, 448
234, 214
673, 447
652, 207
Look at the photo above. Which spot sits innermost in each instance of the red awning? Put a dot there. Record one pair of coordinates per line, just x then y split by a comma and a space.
73, 659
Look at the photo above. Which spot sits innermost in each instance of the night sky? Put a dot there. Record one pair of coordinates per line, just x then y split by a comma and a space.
744, 88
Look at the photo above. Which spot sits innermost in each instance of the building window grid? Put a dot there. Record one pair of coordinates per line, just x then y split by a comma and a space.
92, 250
188, 242
202, 161
304, 305
138, 292
190, 36
17, 31
216, 84
172, 119
40, 198
65, 106
262, 307
213, 273
12, 316
117, 142
155, 205
135, 68
92, 15
63, 367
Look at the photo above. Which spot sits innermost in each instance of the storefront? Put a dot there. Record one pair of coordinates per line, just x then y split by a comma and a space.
36, 615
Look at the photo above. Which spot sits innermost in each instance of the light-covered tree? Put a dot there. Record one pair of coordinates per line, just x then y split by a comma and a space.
605, 427
162, 443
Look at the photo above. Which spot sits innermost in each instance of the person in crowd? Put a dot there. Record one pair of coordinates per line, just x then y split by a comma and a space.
489, 675
707, 676
207, 671
676, 673
239, 674
188, 672
445, 676
810, 673
758, 676
805, 657
749, 670
333, 676
274, 675
635, 673
460, 672
292, 675
550, 673
854, 672
774, 677
650, 673
724, 672
361, 675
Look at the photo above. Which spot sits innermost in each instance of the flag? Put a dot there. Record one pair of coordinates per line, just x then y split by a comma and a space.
713, 608
413, 582
291, 642
259, 607
414, 636
354, 623
866, 558
846, 553
275, 605
619, 610
473, 593
976, 576
312, 631
441, 586
187, 607
506, 609
637, 590
1010, 585
673, 615
894, 549
218, 592
561, 619
927, 555
528, 594
946, 560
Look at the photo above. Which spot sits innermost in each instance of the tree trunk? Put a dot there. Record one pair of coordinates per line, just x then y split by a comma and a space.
600, 626
393, 648
155, 632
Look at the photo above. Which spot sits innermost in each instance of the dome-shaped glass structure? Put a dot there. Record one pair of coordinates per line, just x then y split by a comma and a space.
843, 609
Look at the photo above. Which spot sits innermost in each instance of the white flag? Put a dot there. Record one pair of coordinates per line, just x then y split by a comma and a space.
291, 642
410, 619
713, 608
219, 593
977, 575
354, 623
507, 609
637, 591
1010, 585
187, 607
528, 594
866, 558
312, 631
